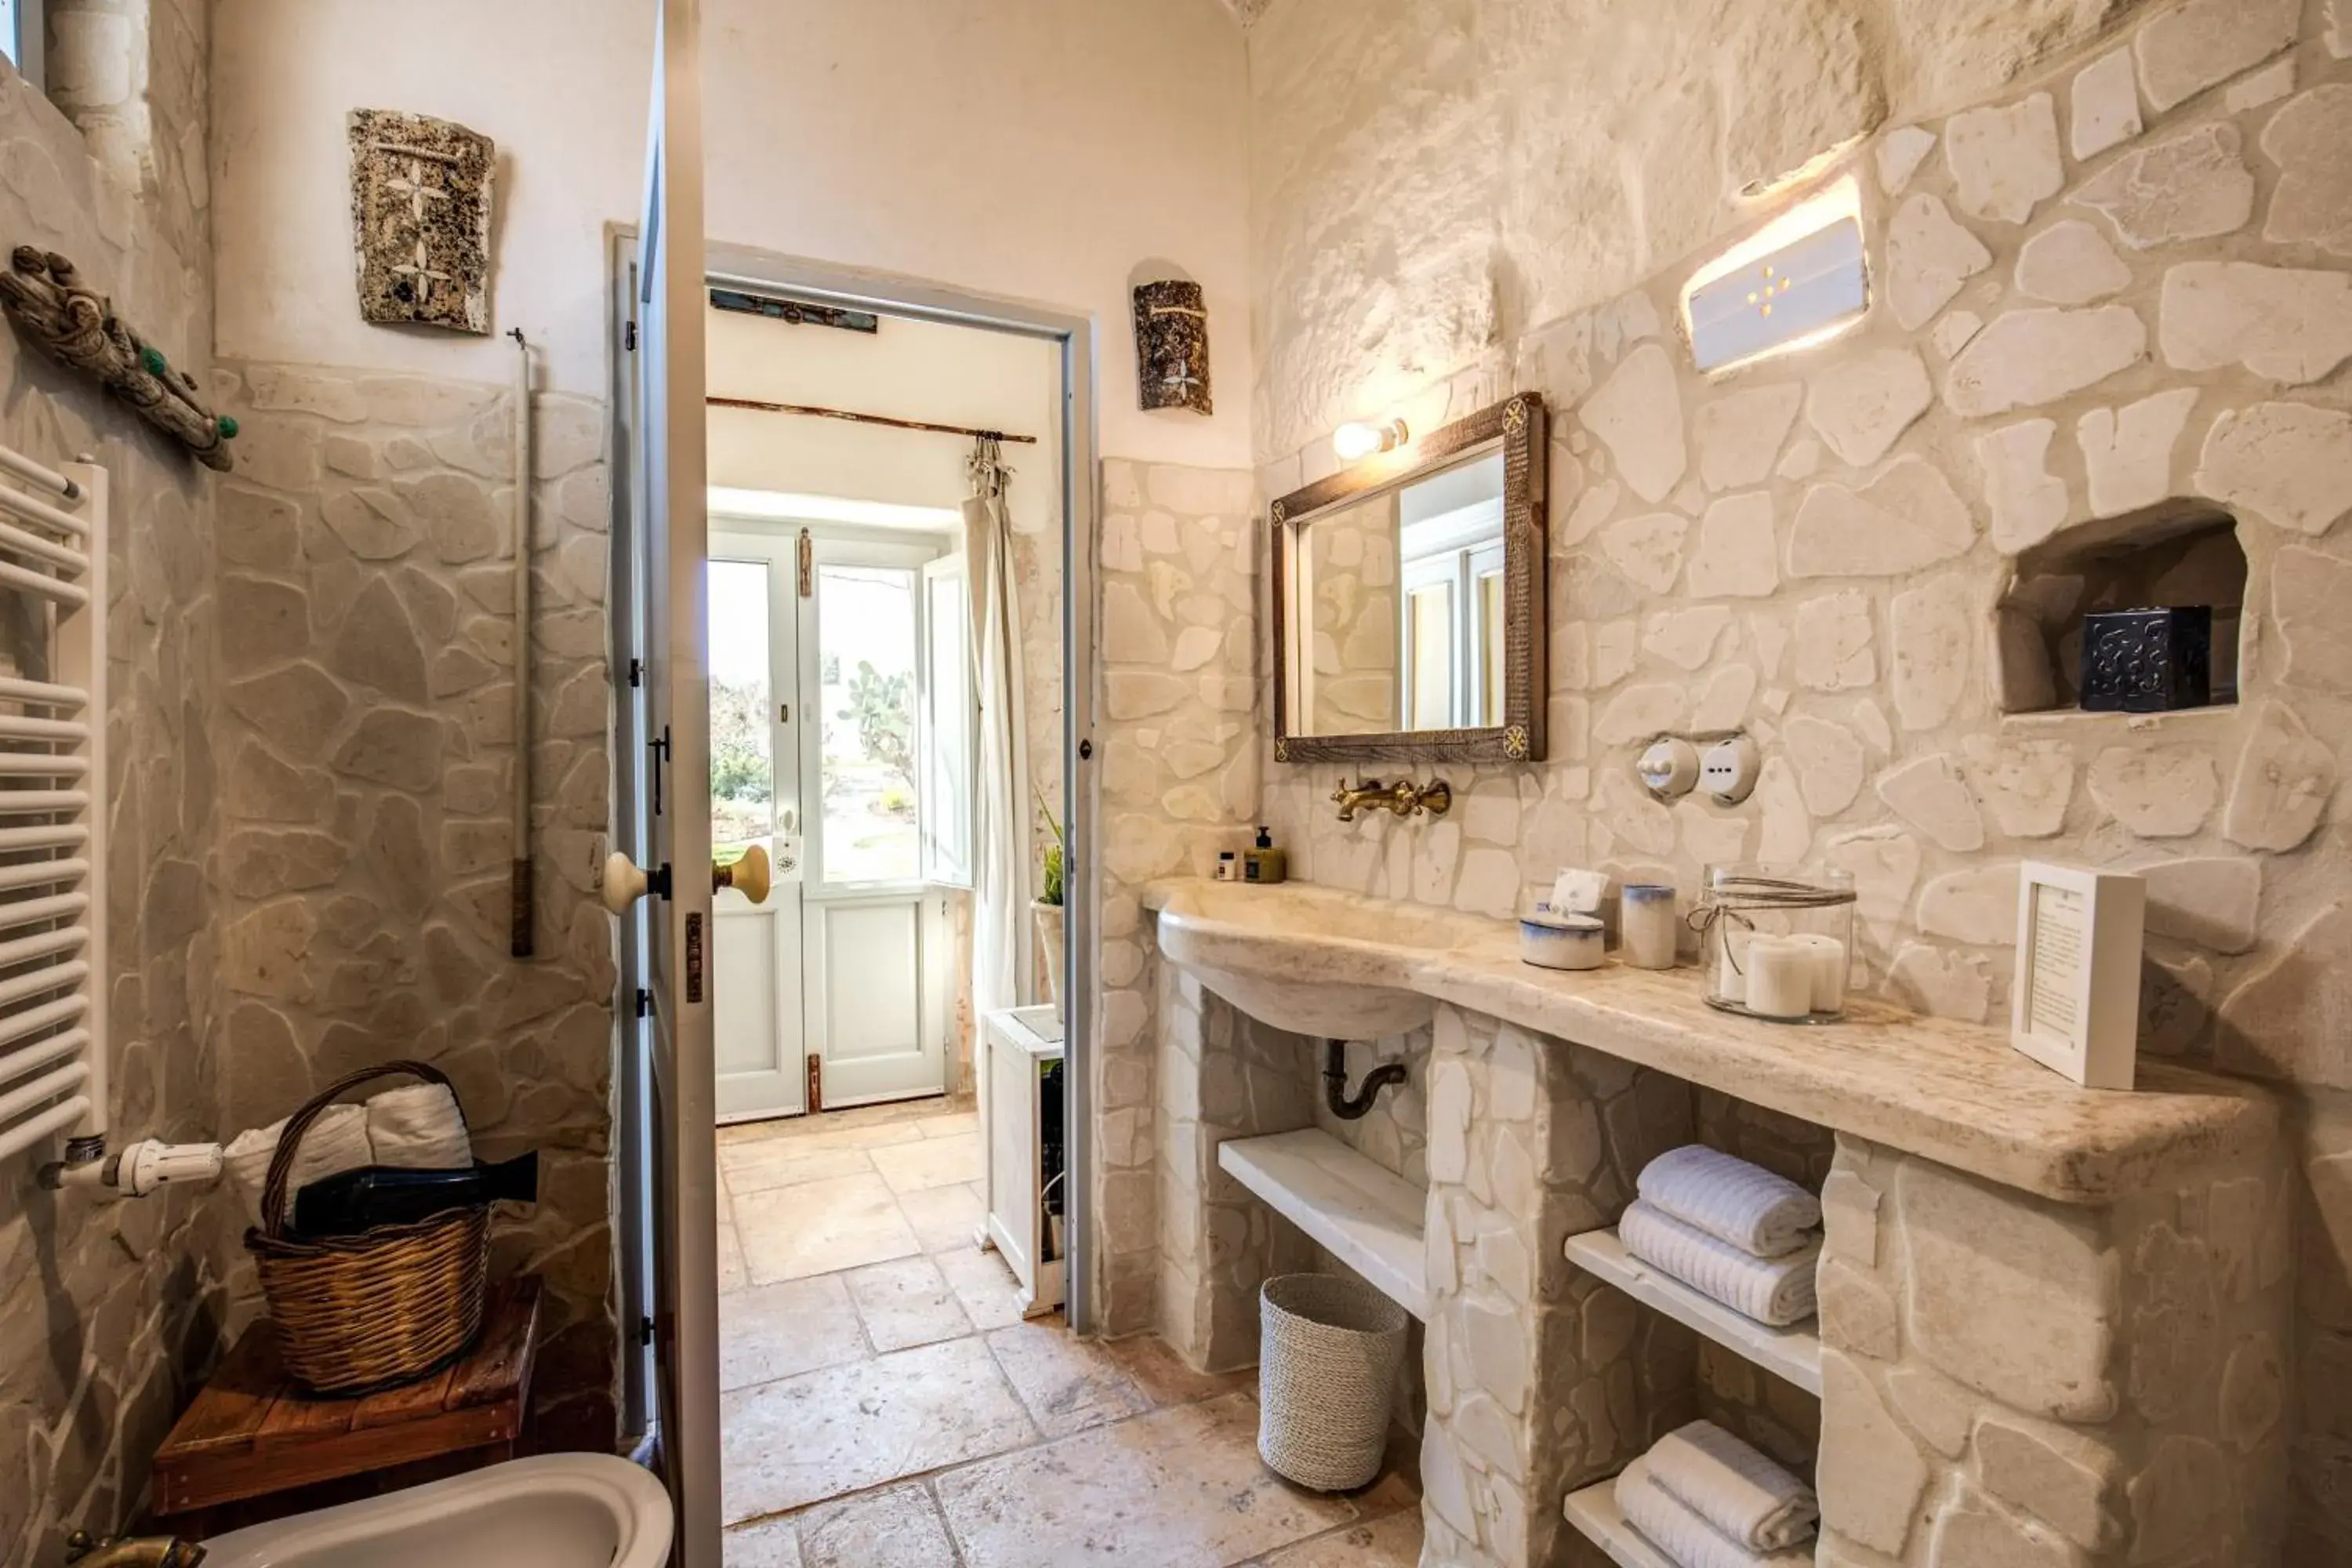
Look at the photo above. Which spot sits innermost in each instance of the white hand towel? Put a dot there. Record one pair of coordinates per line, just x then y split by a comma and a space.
417, 1127
1744, 1205
1774, 1290
1683, 1535
1740, 1491
336, 1141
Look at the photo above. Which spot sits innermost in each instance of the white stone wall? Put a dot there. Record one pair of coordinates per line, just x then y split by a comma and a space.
1177, 725
110, 1313
2119, 280
2006, 1379
366, 758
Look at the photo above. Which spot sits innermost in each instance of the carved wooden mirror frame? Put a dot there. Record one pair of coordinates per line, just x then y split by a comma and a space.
1517, 425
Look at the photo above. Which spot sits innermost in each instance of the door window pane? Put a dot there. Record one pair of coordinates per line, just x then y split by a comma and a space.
866, 654
1430, 621
946, 727
742, 702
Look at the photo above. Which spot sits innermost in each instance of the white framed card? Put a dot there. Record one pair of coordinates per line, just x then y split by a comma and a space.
2074, 1006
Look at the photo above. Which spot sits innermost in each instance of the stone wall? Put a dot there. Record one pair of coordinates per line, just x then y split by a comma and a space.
109, 1311
2014, 1381
366, 755
2111, 296
1176, 719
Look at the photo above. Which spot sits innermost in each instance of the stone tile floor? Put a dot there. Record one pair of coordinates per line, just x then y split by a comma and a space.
885, 1405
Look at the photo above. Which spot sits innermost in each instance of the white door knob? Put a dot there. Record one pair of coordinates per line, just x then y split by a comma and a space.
624, 882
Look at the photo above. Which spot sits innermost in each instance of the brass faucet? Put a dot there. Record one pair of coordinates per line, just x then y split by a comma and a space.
1403, 798
84, 1551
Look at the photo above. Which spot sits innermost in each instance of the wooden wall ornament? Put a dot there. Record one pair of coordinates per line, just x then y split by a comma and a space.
421, 219
1171, 346
73, 325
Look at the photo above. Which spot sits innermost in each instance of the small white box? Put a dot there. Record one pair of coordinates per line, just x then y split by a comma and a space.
2074, 1006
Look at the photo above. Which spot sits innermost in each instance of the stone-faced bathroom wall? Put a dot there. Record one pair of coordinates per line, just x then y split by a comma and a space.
111, 1311
366, 755
1176, 719
2119, 280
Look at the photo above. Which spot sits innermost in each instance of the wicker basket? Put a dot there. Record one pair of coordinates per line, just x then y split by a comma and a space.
1329, 1349
388, 1306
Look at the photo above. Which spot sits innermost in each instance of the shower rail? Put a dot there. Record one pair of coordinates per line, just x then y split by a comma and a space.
53, 1065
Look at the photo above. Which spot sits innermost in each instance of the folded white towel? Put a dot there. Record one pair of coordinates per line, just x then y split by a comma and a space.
1683, 1535
1775, 1291
336, 1141
1744, 1205
417, 1127
1740, 1491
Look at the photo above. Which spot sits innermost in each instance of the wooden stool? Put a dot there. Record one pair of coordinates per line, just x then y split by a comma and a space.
254, 1433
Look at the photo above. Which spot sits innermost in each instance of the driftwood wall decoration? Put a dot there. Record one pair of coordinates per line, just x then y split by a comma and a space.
56, 312
1171, 346
421, 219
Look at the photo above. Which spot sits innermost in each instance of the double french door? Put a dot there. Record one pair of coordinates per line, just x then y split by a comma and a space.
839, 717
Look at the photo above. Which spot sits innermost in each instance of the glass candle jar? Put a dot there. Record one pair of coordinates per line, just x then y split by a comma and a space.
1776, 943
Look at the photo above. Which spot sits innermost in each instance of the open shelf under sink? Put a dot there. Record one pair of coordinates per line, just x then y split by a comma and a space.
1593, 1511
1792, 1352
1367, 1215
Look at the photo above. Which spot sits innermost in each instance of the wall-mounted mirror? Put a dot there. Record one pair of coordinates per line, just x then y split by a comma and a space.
1409, 608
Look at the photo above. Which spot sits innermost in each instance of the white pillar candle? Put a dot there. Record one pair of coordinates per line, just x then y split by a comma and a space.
1779, 978
1647, 925
1827, 956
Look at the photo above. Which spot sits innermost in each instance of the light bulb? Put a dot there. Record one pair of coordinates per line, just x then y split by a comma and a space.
1355, 440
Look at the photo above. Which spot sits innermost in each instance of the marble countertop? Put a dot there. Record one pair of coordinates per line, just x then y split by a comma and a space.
1956, 1093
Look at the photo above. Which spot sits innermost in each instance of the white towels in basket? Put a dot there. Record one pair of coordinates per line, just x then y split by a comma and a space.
1682, 1534
416, 1126
1731, 1200
1738, 1490
1774, 1290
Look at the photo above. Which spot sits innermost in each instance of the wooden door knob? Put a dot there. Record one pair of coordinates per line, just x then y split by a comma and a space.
747, 875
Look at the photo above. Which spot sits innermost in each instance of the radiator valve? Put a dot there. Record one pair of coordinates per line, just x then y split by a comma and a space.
139, 1169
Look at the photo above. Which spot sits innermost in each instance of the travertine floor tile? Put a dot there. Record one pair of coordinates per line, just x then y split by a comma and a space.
770, 1543
984, 1284
817, 1228
787, 1162
842, 1429
896, 1528
732, 1273
932, 1162
1176, 1488
1068, 1383
783, 1329
944, 1218
951, 1125
1393, 1542
905, 1302
1163, 1375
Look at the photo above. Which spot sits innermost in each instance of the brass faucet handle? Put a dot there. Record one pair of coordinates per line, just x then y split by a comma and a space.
1436, 797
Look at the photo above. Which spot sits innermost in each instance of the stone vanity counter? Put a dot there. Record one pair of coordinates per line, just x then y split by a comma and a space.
1954, 1093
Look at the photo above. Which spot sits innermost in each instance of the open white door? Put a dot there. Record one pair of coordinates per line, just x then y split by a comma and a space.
665, 828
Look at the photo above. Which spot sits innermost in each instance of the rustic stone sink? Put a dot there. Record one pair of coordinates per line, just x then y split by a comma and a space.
1312, 960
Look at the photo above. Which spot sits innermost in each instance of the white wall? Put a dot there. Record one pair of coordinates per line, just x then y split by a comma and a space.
1033, 149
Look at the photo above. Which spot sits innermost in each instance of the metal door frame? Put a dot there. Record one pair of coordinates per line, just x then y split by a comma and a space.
913, 299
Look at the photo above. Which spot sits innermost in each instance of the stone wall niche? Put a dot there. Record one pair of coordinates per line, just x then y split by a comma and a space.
2177, 553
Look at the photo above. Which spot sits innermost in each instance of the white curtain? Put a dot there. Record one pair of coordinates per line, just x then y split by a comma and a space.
1000, 917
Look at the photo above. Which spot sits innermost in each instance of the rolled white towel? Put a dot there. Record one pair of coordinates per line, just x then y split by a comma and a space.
1774, 1290
1743, 1494
1742, 1204
336, 1141
417, 1126
1684, 1536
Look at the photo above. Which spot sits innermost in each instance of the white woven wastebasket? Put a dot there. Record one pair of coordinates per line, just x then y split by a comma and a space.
1330, 1348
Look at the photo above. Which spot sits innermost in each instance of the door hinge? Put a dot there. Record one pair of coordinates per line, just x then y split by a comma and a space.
636, 672
644, 1002
645, 1331
808, 565
629, 336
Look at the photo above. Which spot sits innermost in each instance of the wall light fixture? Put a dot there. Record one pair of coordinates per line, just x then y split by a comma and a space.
1355, 440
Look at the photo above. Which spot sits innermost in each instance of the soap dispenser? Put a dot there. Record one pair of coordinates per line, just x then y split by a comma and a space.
1264, 863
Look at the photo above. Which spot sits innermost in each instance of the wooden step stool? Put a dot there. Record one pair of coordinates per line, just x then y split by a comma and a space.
254, 1433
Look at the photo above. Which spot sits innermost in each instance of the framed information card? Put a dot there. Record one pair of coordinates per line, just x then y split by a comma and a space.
2074, 1007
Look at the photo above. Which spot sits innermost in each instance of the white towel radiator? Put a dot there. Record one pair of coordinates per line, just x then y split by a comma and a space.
53, 986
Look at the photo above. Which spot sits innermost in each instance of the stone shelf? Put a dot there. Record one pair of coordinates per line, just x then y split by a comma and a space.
1370, 1217
1794, 1353
1955, 1093
1593, 1512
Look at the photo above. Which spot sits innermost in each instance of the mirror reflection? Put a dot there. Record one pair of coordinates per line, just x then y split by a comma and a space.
1400, 594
